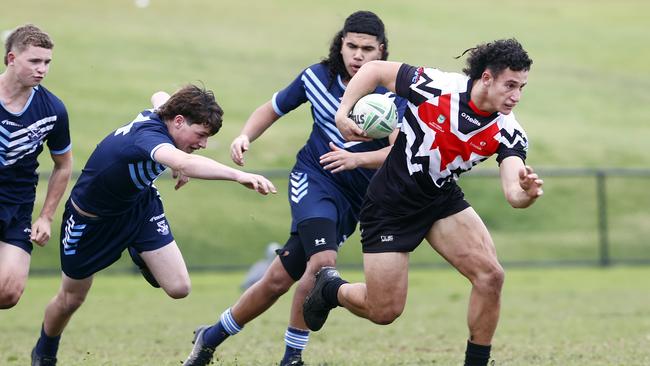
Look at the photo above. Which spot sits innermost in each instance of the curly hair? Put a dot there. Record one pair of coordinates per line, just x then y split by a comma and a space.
496, 56
196, 104
24, 36
365, 22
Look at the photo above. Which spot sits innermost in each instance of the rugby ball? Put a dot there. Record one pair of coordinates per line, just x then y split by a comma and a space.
376, 114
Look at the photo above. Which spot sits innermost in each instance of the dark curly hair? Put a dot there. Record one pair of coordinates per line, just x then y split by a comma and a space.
196, 104
496, 56
365, 22
24, 36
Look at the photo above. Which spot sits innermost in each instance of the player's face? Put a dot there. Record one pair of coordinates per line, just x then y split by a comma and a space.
31, 65
505, 90
358, 49
189, 137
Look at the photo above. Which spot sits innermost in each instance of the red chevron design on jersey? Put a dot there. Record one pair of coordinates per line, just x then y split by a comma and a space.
448, 144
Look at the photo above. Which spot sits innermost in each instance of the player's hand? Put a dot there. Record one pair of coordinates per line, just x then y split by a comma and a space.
257, 183
350, 130
530, 182
237, 149
338, 160
181, 179
41, 230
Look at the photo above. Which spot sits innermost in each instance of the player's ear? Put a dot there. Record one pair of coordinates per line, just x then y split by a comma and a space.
10, 58
179, 120
486, 77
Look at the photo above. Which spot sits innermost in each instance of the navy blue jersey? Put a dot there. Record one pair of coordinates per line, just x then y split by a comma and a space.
315, 85
122, 169
22, 136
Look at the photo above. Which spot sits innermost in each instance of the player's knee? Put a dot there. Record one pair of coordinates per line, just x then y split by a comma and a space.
9, 297
491, 280
385, 315
277, 283
179, 289
70, 302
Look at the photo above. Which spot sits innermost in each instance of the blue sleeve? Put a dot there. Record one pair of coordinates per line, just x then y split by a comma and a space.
400, 103
58, 141
147, 141
290, 97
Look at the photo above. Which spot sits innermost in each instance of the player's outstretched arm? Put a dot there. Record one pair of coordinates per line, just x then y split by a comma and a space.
197, 166
61, 172
261, 119
365, 81
521, 185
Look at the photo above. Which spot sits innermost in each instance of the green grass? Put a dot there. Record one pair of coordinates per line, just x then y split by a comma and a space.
568, 317
583, 107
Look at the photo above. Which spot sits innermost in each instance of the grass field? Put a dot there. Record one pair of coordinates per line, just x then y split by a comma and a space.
585, 106
550, 317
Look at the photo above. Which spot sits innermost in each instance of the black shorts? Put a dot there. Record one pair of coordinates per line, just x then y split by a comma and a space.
386, 228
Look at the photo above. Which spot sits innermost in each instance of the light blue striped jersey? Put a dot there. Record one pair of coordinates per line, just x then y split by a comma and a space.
22, 135
122, 169
316, 86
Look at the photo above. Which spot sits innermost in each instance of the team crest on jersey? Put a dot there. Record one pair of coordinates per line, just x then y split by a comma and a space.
163, 228
441, 119
34, 133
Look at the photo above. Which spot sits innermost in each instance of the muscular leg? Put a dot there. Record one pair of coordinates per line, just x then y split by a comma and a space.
263, 294
14, 268
463, 240
168, 267
382, 298
70, 297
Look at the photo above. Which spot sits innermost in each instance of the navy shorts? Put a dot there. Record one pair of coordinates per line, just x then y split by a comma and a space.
16, 225
313, 195
90, 244
385, 228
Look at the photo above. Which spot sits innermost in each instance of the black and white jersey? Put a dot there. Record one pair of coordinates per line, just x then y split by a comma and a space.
443, 134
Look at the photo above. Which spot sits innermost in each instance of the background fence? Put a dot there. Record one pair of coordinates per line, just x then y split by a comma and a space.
587, 217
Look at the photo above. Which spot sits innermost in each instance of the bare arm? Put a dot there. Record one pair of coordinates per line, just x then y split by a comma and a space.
521, 185
261, 119
197, 166
366, 80
339, 159
41, 228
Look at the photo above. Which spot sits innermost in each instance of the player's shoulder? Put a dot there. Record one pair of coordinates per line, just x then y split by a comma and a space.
49, 97
320, 70
451, 81
509, 122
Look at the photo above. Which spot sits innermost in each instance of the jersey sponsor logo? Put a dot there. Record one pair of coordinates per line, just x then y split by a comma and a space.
319, 242
386, 238
470, 119
299, 186
7, 122
154, 218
